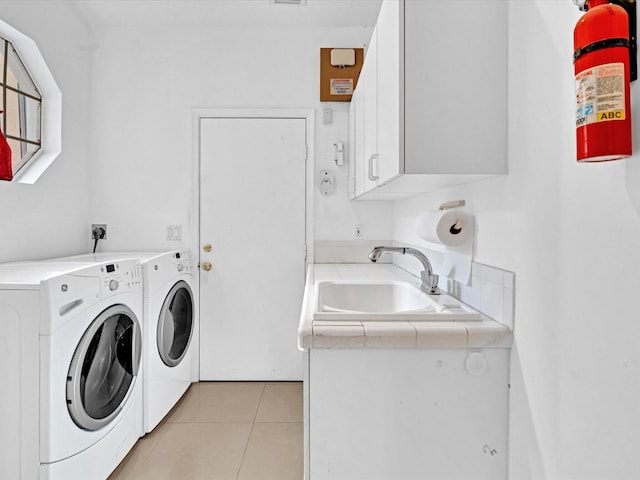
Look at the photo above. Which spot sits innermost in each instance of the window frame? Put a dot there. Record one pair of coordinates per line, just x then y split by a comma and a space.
22, 138
51, 105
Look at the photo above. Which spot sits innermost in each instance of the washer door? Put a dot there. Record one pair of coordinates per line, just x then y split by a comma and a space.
175, 324
104, 368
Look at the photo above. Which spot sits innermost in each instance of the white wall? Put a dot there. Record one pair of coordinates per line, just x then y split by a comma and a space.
145, 85
570, 233
336, 218
51, 217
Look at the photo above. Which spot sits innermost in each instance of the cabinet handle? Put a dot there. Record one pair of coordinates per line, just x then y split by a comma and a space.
372, 177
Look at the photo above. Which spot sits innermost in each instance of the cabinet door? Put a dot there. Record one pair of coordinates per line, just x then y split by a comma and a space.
455, 87
356, 143
435, 105
351, 188
370, 114
437, 420
390, 160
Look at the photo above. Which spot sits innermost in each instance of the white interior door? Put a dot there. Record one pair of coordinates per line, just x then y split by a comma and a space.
252, 212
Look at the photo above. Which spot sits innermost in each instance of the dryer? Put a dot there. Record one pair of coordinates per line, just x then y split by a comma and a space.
170, 354
72, 407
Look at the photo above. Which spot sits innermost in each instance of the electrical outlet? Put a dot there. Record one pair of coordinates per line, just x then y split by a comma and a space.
358, 232
99, 231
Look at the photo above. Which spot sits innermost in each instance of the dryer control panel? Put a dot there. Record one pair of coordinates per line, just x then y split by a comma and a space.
122, 276
182, 262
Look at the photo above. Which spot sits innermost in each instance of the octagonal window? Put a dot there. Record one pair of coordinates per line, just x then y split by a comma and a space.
31, 122
21, 105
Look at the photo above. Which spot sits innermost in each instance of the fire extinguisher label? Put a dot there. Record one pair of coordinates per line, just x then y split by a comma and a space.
600, 94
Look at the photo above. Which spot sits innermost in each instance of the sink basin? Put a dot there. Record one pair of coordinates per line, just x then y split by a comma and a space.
385, 301
393, 297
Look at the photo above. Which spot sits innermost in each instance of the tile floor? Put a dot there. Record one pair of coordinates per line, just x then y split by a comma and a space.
224, 431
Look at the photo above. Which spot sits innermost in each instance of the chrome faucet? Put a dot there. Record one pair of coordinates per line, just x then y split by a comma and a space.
429, 279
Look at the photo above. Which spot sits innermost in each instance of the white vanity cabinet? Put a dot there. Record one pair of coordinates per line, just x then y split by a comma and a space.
399, 396
407, 414
433, 97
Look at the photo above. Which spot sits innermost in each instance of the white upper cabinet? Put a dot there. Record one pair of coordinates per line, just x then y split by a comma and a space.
369, 97
433, 94
388, 95
356, 145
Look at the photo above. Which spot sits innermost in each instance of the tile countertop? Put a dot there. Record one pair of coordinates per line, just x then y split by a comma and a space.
486, 333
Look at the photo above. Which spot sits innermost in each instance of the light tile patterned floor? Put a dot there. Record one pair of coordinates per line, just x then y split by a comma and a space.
224, 431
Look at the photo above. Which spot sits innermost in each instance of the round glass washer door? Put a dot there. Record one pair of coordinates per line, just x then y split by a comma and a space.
175, 324
104, 368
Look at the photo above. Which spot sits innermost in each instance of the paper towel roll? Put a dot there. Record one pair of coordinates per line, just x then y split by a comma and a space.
451, 228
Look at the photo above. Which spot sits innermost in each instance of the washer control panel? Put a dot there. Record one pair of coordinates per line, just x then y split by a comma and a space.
70, 294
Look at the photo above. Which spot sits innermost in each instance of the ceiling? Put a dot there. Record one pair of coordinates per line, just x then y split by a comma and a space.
216, 13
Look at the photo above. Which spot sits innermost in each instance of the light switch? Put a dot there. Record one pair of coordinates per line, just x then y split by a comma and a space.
327, 116
174, 232
339, 153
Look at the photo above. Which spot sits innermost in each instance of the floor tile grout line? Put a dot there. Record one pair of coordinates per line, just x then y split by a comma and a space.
264, 387
161, 432
244, 452
246, 447
279, 421
166, 422
169, 423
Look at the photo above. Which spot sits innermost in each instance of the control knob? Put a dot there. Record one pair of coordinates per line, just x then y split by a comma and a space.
113, 285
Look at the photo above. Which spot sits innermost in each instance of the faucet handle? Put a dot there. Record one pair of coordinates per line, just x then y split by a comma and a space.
429, 283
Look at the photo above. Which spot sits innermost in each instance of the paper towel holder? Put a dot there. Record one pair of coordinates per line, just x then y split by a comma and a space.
453, 204
457, 227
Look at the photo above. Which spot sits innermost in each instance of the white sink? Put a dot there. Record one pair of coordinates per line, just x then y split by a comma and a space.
385, 301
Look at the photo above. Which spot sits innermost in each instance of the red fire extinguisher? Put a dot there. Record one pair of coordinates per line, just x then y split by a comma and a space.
603, 104
6, 169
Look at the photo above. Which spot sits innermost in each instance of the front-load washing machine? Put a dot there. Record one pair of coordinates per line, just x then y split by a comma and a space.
71, 404
170, 361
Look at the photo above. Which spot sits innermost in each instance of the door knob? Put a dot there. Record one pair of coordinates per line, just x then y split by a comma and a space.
206, 247
206, 266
